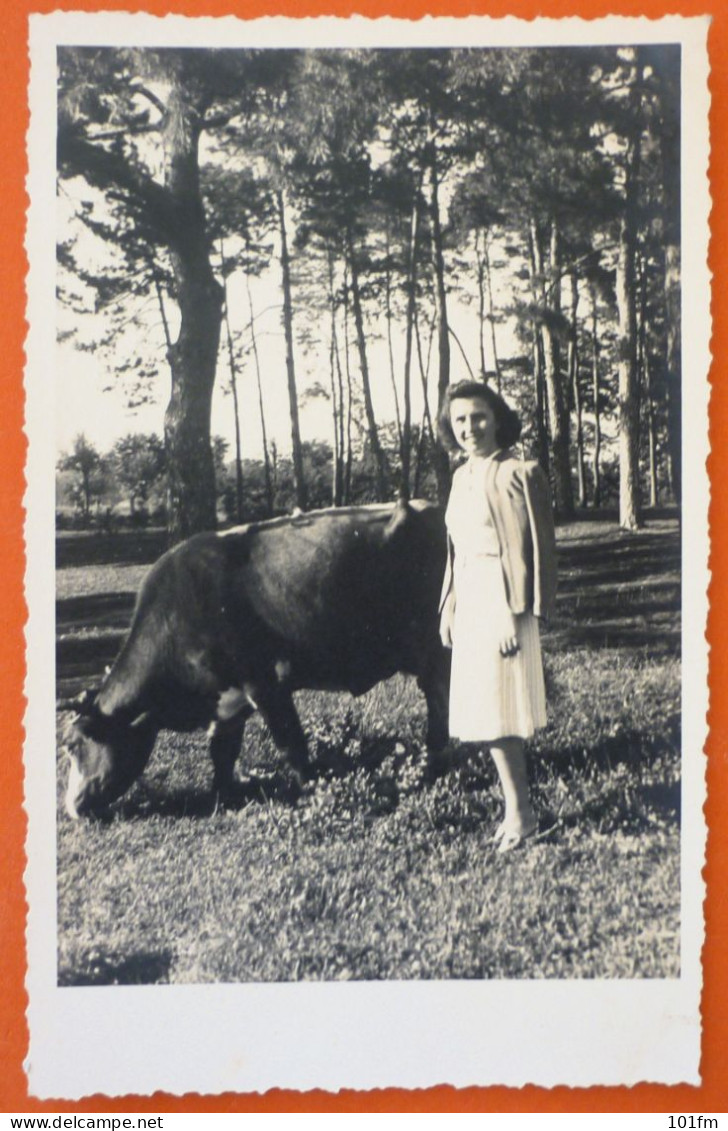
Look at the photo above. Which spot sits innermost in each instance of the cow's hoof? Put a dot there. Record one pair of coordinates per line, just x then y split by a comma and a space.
231, 797
438, 764
291, 787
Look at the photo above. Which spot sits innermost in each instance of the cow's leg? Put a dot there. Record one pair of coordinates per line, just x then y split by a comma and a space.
226, 739
275, 703
434, 682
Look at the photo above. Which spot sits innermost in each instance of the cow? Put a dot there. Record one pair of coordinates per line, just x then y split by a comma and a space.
233, 622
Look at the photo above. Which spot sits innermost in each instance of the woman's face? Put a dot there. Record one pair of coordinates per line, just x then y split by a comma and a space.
474, 426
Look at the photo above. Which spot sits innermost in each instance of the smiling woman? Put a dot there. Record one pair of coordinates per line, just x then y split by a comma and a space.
501, 577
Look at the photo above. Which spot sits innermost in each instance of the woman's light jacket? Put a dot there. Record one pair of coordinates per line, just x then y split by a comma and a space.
519, 500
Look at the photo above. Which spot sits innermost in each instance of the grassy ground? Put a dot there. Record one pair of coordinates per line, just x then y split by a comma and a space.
376, 873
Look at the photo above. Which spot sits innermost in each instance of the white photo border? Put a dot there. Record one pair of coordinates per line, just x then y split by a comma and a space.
252, 1037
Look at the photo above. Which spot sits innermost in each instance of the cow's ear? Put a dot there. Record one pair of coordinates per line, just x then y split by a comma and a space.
84, 724
85, 704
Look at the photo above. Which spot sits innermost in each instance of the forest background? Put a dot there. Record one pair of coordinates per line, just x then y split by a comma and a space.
344, 232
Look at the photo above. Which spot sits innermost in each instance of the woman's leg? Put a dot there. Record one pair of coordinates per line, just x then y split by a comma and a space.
510, 761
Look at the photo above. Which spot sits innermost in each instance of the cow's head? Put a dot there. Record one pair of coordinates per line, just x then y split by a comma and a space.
106, 753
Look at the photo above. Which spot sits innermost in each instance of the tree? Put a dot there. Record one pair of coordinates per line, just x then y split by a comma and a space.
425, 120
139, 464
662, 66
335, 122
242, 219
539, 160
89, 469
123, 113
630, 120
390, 185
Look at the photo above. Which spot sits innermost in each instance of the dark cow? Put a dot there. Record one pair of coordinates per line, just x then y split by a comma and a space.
226, 624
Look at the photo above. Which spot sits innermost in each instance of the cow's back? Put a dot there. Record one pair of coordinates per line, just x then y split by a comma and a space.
337, 599
345, 597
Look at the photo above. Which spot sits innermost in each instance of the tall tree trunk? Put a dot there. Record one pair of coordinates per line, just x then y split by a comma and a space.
172, 210
573, 370
596, 454
299, 481
390, 346
629, 402
336, 468
480, 260
440, 458
644, 370
673, 359
542, 436
404, 488
349, 452
537, 288
651, 430
419, 456
86, 500
193, 356
274, 466
558, 413
380, 469
666, 71
424, 367
337, 399
269, 483
234, 390
491, 315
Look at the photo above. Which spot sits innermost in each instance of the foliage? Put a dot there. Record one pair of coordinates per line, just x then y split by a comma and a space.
139, 465
90, 479
391, 187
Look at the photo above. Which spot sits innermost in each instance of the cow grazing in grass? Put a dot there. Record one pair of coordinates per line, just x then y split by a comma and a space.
226, 624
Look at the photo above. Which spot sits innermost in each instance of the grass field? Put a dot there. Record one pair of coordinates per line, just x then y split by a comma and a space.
377, 873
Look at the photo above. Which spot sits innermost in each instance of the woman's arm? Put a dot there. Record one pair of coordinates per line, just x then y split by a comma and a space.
537, 496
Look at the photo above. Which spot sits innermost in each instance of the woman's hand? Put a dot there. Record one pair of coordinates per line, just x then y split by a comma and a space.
509, 645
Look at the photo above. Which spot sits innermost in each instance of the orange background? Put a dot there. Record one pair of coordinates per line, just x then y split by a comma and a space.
711, 1096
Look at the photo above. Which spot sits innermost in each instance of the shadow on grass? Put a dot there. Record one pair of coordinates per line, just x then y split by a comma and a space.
616, 634
95, 968
148, 801
89, 634
102, 610
95, 547
397, 769
620, 591
381, 758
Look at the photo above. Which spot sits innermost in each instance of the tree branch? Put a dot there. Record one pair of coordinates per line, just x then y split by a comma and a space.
216, 120
106, 170
138, 87
128, 131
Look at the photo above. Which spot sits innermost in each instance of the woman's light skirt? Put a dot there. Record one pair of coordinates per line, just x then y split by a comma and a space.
492, 696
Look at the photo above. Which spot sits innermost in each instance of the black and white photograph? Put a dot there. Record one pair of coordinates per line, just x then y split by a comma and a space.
367, 420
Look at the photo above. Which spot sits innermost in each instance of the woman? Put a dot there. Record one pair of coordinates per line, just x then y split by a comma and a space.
501, 576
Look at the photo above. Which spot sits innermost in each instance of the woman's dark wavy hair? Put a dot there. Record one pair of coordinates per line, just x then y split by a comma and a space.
507, 422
